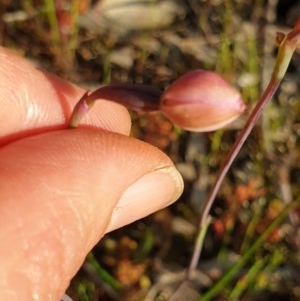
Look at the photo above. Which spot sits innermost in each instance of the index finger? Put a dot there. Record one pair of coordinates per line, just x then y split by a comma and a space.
33, 102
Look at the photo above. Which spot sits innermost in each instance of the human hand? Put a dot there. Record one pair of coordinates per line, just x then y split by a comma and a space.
62, 190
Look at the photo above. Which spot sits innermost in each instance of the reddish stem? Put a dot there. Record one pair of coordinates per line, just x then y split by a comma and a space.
136, 97
286, 49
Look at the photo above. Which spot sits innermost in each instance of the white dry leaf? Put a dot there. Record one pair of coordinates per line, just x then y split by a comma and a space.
125, 16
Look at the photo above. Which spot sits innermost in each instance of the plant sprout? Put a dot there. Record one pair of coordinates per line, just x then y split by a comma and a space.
198, 101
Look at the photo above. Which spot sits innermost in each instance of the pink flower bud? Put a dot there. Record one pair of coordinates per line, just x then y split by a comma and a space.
201, 101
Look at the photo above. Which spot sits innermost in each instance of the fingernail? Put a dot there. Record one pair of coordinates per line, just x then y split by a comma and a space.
150, 193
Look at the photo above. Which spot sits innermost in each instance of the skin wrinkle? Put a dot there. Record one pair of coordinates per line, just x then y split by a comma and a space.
77, 216
78, 151
75, 212
37, 112
9, 73
59, 217
10, 63
44, 111
11, 105
50, 114
33, 111
75, 162
4, 277
22, 232
42, 245
26, 103
80, 218
34, 271
46, 227
78, 163
79, 156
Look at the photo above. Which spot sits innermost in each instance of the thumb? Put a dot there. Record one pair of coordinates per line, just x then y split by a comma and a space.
64, 191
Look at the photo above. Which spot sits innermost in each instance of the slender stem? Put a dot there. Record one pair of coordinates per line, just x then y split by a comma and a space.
285, 52
230, 158
136, 97
199, 242
231, 273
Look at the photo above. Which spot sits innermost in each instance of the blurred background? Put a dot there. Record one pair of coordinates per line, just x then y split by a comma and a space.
154, 42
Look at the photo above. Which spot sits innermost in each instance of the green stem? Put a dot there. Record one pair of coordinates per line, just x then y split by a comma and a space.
245, 282
51, 13
219, 286
202, 233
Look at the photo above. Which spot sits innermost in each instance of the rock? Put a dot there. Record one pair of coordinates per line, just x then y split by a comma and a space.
125, 16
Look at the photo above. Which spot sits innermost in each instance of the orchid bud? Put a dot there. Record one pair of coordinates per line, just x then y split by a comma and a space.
201, 101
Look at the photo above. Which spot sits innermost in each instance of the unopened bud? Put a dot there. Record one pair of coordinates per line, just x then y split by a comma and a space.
201, 101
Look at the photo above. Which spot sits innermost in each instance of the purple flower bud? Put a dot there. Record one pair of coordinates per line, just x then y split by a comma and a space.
201, 101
